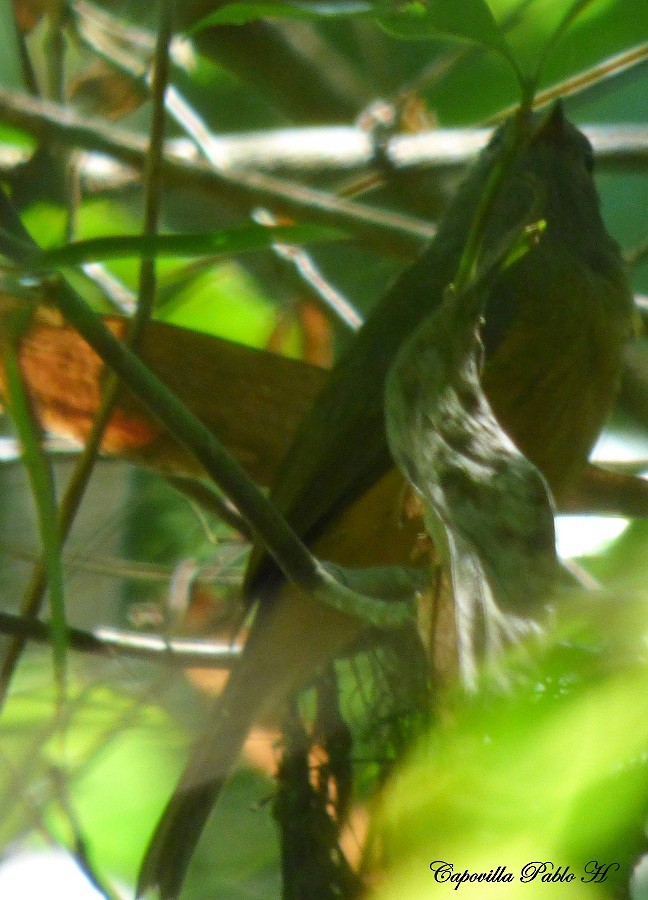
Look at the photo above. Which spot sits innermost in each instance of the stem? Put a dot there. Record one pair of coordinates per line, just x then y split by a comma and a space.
154, 166
32, 601
55, 47
290, 553
497, 176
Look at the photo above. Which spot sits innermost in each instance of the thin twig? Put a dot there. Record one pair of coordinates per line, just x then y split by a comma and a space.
131, 39
309, 274
28, 74
180, 652
205, 495
154, 166
613, 65
114, 290
105, 565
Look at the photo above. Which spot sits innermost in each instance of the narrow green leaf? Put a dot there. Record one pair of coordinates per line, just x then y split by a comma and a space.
226, 241
42, 486
240, 13
523, 242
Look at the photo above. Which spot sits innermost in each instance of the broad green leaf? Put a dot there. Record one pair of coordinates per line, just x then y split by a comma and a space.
471, 22
557, 773
240, 13
226, 241
570, 16
480, 87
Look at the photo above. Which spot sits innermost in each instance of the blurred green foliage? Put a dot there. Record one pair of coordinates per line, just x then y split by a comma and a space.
553, 769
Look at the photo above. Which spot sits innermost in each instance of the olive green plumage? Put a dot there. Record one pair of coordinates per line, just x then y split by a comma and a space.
555, 327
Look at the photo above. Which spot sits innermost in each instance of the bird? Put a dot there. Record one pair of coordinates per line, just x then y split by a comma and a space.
555, 326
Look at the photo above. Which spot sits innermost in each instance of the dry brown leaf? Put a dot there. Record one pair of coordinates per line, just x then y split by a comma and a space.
251, 399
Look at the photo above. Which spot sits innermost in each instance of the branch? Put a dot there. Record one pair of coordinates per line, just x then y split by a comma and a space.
115, 642
383, 230
296, 152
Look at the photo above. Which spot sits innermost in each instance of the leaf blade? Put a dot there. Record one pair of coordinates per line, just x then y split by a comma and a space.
239, 13
225, 241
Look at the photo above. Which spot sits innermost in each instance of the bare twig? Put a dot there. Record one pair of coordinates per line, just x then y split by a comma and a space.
97, 25
298, 152
180, 652
614, 65
114, 290
309, 274
154, 165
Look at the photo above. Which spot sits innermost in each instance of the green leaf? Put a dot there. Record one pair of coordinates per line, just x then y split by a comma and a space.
42, 485
534, 775
10, 69
226, 241
113, 742
570, 16
470, 21
464, 20
563, 26
523, 242
240, 13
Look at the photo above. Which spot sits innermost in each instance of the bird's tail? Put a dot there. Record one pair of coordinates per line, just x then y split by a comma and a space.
289, 642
